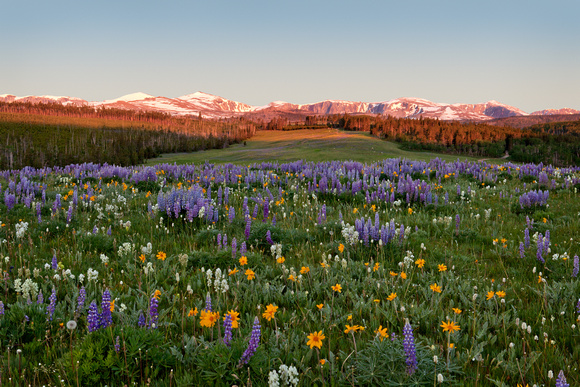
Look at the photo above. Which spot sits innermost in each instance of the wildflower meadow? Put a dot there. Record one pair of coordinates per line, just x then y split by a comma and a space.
397, 272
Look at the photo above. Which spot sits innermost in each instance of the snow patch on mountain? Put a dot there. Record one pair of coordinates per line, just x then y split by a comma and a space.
129, 98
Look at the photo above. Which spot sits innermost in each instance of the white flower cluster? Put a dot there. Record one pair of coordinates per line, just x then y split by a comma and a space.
286, 376
469, 196
68, 273
349, 234
92, 274
121, 199
487, 213
28, 289
220, 281
126, 249
148, 268
276, 250
446, 220
408, 259
147, 249
21, 228
104, 259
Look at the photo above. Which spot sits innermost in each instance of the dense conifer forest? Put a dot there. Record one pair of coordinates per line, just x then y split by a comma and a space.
556, 143
40, 135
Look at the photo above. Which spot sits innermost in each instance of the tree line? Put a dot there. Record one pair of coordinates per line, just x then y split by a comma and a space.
41, 135
556, 143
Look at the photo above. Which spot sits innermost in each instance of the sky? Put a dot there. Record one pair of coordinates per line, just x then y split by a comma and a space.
522, 53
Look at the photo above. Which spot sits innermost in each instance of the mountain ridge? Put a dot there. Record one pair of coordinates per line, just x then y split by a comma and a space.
213, 106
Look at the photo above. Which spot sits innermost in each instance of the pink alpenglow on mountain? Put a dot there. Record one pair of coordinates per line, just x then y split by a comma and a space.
212, 106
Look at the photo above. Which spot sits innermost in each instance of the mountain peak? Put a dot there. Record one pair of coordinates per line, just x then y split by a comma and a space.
131, 97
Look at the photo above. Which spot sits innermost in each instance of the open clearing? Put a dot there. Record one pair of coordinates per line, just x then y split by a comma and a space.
309, 145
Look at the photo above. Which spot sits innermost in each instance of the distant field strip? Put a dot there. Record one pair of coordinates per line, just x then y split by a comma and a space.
308, 145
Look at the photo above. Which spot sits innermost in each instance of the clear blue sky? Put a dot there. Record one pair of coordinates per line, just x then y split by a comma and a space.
522, 53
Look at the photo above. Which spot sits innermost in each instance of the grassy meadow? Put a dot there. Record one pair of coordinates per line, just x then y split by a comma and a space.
308, 145
285, 273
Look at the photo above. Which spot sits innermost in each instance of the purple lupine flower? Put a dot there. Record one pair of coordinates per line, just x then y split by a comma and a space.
1, 308
153, 313
248, 227
69, 214
117, 345
141, 322
253, 344
95, 229
52, 305
266, 210
409, 347
207, 303
109, 231
225, 241
547, 241
81, 299
577, 306
106, 317
228, 330
457, 222
40, 299
243, 248
232, 214
269, 237
522, 250
54, 263
561, 381
38, 212
539, 252
245, 209
527, 238
93, 317
219, 241
9, 200
576, 267
401, 234
274, 220
26, 318
446, 198
255, 212
56, 204
234, 248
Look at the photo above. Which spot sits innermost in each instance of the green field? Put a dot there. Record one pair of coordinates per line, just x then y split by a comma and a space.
309, 145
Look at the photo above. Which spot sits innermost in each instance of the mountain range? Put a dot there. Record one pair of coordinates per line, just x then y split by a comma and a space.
212, 106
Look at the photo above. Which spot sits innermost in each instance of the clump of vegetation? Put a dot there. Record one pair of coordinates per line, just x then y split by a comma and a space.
392, 273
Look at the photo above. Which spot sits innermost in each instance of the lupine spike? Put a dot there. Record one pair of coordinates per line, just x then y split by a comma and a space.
52, 305
207, 303
153, 313
228, 330
253, 344
106, 317
81, 299
93, 317
409, 347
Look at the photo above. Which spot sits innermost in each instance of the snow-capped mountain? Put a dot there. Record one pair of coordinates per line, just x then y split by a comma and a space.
212, 106
554, 112
43, 99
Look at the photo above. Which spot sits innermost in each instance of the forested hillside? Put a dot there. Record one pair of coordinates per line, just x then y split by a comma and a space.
556, 143
40, 135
